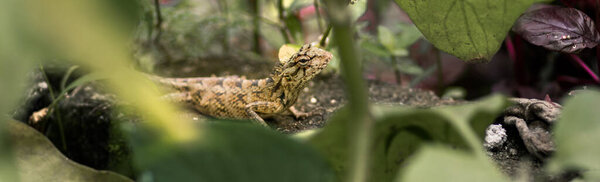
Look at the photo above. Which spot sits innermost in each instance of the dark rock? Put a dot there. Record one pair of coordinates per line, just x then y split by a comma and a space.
86, 117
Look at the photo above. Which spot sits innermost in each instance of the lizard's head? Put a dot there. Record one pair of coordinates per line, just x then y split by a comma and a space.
304, 64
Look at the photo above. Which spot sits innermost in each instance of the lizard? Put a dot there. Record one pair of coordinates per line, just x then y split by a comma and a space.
239, 98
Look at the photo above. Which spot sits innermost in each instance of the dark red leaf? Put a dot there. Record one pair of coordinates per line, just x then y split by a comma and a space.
556, 28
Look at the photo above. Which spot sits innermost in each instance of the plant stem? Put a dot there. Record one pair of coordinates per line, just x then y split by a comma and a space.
58, 115
512, 55
159, 31
284, 32
440, 72
225, 12
159, 21
319, 17
323, 41
518, 63
585, 67
397, 73
510, 48
597, 29
255, 9
65, 78
361, 126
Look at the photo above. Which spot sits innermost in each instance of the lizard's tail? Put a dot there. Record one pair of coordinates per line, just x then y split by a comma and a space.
179, 84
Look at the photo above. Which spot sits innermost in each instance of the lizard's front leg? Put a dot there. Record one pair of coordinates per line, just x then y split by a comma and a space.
263, 107
299, 114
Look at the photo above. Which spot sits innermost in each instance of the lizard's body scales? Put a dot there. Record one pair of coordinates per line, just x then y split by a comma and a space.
234, 97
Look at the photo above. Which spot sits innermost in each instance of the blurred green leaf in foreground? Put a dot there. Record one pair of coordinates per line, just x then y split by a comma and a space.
14, 65
38, 160
93, 34
577, 133
400, 131
235, 151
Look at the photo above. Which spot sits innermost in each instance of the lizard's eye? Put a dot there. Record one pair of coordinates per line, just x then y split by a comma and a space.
303, 61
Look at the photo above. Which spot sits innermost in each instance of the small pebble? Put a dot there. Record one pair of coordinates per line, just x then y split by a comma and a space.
495, 136
313, 100
43, 85
333, 101
512, 151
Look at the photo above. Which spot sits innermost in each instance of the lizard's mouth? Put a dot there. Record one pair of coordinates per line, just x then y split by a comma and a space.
300, 72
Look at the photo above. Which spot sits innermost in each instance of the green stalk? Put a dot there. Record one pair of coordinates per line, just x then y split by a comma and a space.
286, 35
361, 127
323, 41
319, 17
440, 73
159, 21
52, 108
255, 9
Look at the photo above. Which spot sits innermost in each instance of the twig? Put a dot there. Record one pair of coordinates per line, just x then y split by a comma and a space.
256, 23
159, 21
284, 31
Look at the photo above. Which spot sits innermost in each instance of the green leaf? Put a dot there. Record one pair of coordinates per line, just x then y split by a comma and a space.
577, 133
80, 81
438, 163
428, 72
472, 30
65, 78
38, 160
295, 5
271, 34
400, 52
16, 61
408, 67
409, 35
455, 93
400, 131
374, 49
358, 9
232, 151
7, 163
386, 38
295, 27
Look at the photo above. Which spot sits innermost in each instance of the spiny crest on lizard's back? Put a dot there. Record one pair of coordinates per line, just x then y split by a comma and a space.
304, 64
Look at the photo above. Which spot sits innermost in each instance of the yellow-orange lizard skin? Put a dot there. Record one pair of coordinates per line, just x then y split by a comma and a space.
233, 97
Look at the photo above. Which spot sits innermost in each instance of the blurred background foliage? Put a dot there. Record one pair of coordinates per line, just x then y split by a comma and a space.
110, 39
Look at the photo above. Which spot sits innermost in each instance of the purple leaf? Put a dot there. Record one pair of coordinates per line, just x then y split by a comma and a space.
556, 28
